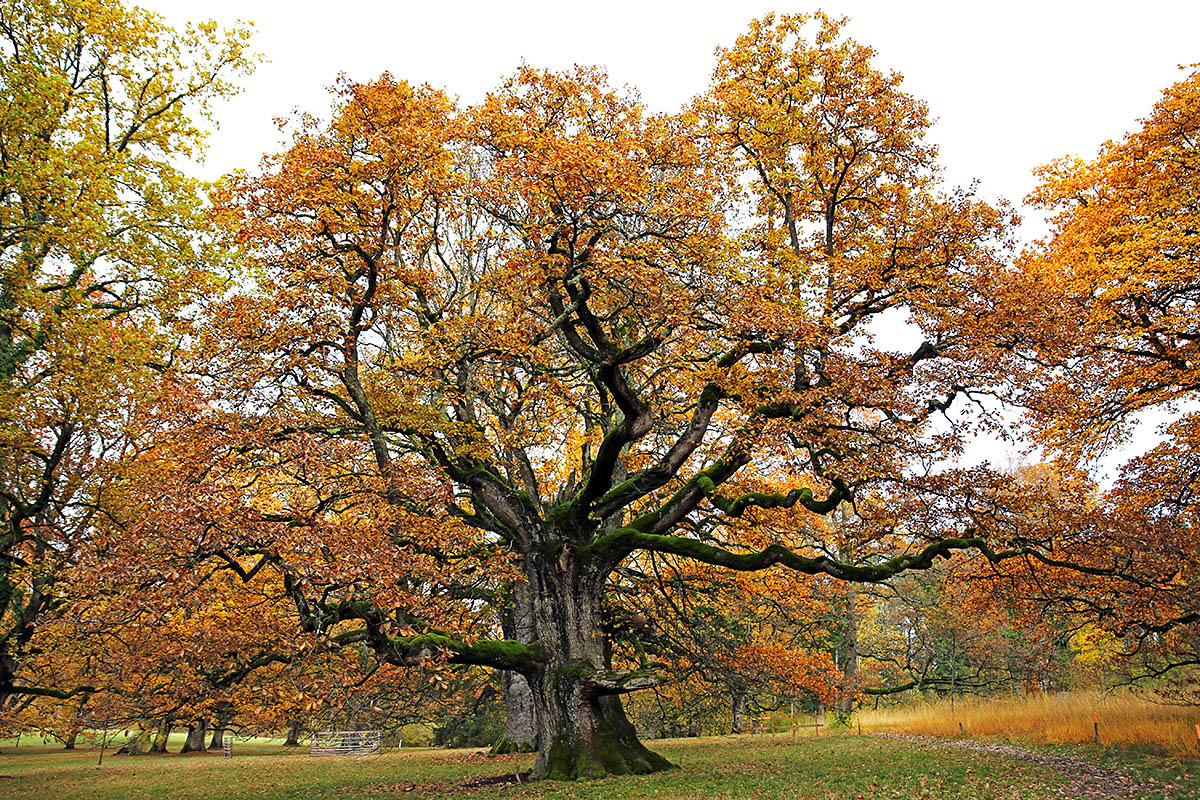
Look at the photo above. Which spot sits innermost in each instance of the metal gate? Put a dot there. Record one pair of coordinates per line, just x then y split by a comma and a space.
345, 743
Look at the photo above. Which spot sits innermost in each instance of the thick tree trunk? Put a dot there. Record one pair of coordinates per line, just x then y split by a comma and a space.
195, 737
161, 737
582, 728
219, 728
520, 722
520, 715
589, 735
739, 712
295, 728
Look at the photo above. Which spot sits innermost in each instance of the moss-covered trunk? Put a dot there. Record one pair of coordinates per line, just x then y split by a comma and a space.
138, 744
588, 736
582, 728
162, 737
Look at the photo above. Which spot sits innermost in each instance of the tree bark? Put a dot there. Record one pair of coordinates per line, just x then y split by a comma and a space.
195, 737
138, 744
22, 608
739, 712
849, 653
295, 728
520, 723
161, 737
582, 729
219, 728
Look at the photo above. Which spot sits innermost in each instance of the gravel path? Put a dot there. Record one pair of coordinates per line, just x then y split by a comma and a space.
1084, 779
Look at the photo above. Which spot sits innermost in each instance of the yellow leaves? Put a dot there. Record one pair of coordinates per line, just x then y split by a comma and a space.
83, 144
102, 238
1113, 287
1095, 646
813, 119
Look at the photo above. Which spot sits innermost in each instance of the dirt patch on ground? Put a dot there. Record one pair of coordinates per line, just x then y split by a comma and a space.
448, 789
495, 780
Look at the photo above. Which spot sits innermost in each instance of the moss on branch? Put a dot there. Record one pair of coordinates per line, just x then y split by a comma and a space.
407, 650
498, 653
737, 506
629, 539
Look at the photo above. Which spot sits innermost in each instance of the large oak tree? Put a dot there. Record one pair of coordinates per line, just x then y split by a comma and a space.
499, 350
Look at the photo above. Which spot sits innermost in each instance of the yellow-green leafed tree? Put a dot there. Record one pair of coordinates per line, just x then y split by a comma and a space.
102, 247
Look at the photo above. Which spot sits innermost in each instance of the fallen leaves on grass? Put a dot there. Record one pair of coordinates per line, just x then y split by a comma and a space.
1085, 779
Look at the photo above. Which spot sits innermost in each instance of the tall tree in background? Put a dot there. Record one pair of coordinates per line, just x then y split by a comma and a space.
1110, 304
99, 252
1119, 274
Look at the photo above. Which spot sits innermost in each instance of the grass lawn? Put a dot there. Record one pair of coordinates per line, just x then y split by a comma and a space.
845, 767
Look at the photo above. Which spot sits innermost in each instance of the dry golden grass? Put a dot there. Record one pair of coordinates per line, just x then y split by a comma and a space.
1124, 718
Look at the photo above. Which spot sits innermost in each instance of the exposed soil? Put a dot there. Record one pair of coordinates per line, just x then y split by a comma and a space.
496, 780
448, 789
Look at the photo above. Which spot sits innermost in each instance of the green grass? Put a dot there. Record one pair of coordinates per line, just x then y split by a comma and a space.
844, 767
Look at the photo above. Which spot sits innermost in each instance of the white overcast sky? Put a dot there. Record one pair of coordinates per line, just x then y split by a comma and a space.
1012, 84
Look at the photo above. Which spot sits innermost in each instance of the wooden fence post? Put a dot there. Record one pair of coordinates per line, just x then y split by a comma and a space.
1096, 727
